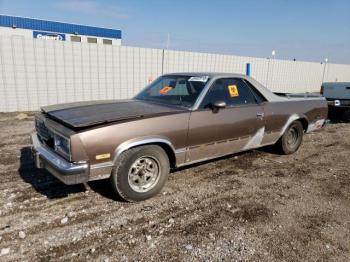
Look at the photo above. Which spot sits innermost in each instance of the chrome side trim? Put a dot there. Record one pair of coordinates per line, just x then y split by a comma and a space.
181, 150
180, 156
216, 157
208, 158
102, 165
138, 142
100, 177
101, 171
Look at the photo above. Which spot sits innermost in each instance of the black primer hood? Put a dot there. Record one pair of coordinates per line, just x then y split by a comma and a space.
86, 114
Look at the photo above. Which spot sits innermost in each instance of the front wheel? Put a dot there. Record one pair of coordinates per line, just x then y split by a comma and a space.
140, 173
291, 139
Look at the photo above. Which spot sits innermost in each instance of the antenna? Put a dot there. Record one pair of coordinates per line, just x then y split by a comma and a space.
168, 42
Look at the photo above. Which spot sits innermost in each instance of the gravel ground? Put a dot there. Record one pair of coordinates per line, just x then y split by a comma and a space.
251, 206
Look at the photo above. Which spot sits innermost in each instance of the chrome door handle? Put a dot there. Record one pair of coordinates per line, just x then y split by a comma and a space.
260, 115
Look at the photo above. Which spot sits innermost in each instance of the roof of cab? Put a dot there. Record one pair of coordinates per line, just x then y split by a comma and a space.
267, 93
210, 74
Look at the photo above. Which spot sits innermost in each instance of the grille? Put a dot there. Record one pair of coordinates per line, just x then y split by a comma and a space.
42, 130
46, 135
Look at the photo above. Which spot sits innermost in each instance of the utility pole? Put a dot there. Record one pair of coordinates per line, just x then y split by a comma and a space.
168, 42
324, 69
273, 53
267, 73
164, 52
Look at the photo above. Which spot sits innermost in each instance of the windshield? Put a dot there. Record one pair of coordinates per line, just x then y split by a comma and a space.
174, 90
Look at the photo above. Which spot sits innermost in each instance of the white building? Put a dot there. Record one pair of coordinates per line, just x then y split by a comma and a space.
35, 28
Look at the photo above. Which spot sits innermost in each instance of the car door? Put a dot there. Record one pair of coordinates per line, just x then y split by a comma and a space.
219, 131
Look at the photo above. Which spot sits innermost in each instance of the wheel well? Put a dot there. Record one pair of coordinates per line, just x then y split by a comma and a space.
304, 122
168, 150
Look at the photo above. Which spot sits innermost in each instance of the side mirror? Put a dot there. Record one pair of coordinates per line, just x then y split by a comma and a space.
219, 105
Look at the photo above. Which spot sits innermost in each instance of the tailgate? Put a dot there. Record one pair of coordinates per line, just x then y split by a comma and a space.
337, 92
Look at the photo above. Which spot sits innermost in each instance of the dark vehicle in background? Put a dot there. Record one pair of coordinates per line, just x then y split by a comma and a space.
177, 120
338, 97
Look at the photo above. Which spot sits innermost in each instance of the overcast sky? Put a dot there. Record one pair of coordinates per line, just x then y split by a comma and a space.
308, 30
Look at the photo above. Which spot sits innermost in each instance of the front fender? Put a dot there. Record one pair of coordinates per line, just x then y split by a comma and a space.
139, 142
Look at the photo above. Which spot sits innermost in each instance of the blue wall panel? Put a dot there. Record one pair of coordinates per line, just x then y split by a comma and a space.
58, 27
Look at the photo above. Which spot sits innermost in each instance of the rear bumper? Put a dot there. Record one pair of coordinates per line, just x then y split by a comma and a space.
338, 103
68, 173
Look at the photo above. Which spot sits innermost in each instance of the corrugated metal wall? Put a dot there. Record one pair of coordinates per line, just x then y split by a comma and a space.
36, 72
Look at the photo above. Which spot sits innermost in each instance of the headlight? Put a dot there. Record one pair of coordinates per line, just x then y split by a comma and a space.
62, 145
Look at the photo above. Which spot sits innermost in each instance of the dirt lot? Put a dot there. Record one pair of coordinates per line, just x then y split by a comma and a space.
252, 206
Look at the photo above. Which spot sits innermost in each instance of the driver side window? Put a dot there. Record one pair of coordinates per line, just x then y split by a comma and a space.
232, 91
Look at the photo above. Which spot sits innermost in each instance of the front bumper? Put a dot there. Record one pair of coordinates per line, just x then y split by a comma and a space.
68, 173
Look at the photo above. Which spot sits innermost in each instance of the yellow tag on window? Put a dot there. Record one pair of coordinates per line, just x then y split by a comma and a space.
233, 90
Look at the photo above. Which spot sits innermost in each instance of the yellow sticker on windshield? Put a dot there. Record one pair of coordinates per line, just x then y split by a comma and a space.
165, 90
233, 90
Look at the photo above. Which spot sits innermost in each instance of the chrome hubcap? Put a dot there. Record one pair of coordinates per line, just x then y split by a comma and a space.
292, 137
144, 174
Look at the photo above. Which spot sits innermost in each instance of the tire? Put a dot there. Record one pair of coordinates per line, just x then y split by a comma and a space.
291, 140
140, 173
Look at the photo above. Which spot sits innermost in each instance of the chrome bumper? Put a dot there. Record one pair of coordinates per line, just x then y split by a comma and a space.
338, 103
68, 173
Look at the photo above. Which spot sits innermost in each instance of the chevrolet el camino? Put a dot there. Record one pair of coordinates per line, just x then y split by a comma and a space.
177, 120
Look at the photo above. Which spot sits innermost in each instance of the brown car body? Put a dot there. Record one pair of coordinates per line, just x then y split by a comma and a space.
99, 132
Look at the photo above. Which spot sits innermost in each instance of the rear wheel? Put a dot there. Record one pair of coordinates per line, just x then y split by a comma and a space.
140, 173
291, 139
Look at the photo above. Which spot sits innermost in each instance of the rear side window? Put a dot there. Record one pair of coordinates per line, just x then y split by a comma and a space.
233, 91
258, 96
